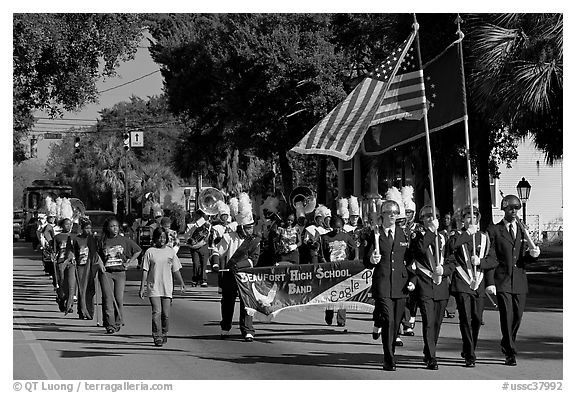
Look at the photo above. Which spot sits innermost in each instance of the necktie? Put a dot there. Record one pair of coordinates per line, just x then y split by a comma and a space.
390, 238
511, 230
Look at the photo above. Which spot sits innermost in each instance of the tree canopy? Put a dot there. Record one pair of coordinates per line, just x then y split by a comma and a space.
57, 59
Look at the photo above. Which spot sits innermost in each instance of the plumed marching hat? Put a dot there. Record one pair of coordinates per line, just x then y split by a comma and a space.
353, 206
394, 194
322, 211
233, 205
222, 207
408, 198
51, 207
244, 216
342, 208
66, 210
269, 206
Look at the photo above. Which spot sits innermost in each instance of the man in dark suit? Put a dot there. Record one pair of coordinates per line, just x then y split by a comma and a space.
513, 250
387, 253
472, 254
432, 284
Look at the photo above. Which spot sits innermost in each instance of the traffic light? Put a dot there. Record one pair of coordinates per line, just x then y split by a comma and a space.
33, 147
126, 141
77, 145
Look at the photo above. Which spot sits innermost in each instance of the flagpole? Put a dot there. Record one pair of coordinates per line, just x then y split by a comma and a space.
466, 133
428, 150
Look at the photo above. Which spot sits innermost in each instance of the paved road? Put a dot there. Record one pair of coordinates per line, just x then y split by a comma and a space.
296, 346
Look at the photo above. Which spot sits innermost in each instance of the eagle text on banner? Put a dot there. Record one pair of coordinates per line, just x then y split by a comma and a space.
444, 86
267, 291
340, 133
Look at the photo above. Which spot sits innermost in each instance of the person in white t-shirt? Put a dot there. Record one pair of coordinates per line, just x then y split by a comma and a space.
158, 265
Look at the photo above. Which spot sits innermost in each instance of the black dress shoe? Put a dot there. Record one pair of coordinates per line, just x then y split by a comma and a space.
398, 342
470, 363
510, 361
376, 333
432, 365
389, 367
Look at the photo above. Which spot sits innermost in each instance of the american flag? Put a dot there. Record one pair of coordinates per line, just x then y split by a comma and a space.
340, 133
405, 98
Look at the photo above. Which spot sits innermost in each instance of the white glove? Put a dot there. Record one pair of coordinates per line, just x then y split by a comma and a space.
475, 260
535, 253
439, 270
491, 290
411, 287
472, 229
375, 258
433, 225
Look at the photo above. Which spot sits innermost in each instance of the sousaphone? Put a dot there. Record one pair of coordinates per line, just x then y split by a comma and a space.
306, 196
207, 200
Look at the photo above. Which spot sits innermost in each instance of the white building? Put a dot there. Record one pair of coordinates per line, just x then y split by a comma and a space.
544, 209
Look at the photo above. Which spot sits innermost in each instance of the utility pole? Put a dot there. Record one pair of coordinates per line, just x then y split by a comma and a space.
126, 180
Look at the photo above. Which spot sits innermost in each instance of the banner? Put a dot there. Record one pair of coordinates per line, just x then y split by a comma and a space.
268, 291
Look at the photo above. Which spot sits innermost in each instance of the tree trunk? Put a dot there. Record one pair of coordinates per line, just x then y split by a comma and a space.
322, 167
482, 167
286, 172
114, 203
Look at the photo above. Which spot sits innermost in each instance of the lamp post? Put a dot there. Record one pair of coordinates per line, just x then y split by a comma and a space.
523, 189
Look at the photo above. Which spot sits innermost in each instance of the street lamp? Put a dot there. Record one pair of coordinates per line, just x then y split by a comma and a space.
523, 189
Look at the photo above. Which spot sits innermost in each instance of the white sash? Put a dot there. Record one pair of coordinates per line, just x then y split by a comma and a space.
432, 259
467, 274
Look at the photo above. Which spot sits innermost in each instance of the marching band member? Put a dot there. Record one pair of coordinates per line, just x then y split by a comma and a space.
387, 252
197, 238
65, 267
336, 245
432, 285
343, 212
360, 233
267, 227
173, 241
287, 241
313, 232
513, 250
219, 227
243, 247
394, 194
116, 252
85, 246
409, 319
467, 284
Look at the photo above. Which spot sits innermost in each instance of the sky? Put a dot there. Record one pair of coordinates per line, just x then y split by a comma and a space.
128, 72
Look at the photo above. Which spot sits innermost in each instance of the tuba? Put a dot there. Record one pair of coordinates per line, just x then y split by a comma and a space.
207, 200
306, 196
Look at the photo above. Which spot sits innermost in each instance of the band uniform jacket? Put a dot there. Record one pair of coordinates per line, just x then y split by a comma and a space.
455, 256
423, 251
512, 255
390, 276
249, 249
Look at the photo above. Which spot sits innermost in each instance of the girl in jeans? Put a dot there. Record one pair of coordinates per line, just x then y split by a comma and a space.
158, 264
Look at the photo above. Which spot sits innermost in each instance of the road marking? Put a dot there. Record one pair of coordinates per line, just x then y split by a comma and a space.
37, 349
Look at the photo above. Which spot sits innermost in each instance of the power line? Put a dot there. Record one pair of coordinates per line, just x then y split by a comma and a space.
127, 83
63, 118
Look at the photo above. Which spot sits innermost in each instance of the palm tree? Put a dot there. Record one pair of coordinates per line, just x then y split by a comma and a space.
517, 75
108, 173
515, 64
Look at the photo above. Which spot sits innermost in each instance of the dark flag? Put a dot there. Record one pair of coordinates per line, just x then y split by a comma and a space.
444, 82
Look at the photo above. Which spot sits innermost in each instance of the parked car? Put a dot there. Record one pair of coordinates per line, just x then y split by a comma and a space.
98, 218
18, 229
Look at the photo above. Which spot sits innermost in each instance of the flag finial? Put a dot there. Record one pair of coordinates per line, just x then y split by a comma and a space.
459, 32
